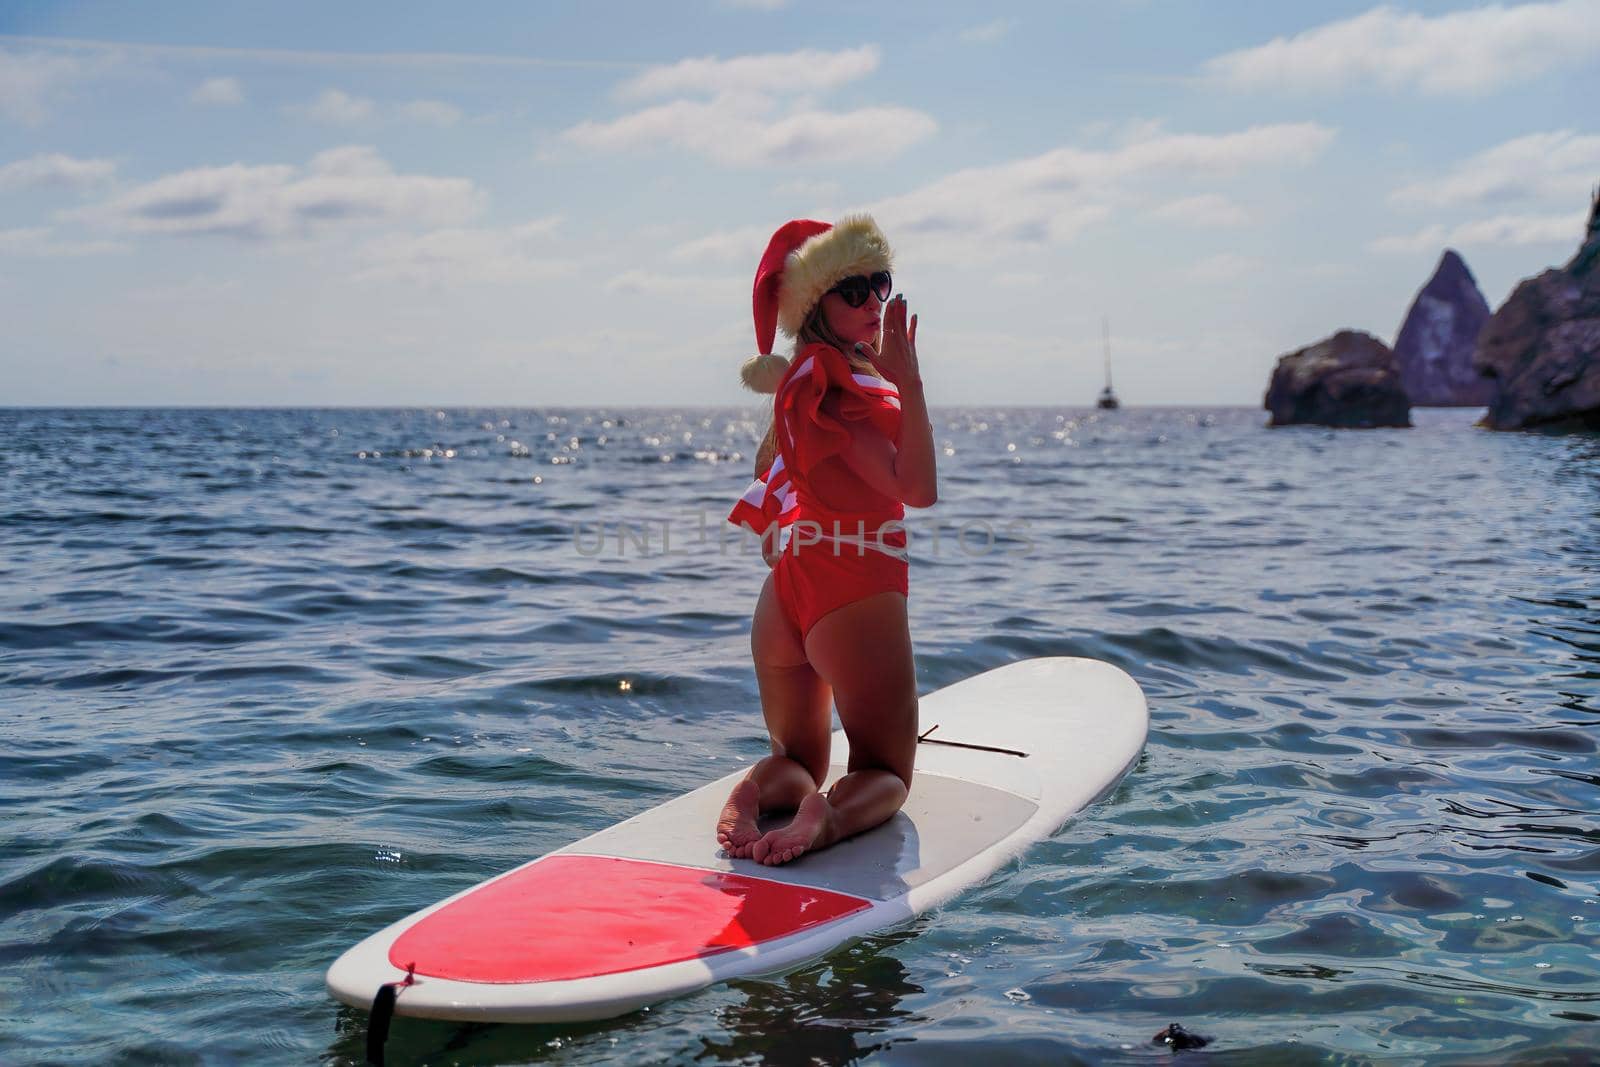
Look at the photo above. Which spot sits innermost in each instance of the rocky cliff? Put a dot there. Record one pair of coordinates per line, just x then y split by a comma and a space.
1542, 347
1435, 345
1347, 380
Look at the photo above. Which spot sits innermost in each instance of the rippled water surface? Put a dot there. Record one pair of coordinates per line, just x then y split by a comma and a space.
271, 679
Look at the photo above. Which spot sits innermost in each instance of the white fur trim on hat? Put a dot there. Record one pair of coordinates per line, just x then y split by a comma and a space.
762, 374
854, 246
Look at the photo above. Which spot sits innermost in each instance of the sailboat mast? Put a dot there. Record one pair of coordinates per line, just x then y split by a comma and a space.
1105, 326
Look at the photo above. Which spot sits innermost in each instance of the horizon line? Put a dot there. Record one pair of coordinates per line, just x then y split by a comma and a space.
503, 406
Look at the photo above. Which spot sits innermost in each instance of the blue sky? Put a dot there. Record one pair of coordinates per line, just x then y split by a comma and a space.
542, 204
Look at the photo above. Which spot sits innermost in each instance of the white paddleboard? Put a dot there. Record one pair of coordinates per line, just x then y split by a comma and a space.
652, 908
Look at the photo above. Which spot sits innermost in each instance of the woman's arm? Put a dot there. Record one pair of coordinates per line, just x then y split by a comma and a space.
915, 467
908, 473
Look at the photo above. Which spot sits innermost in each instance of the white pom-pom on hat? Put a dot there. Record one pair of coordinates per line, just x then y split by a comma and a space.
763, 373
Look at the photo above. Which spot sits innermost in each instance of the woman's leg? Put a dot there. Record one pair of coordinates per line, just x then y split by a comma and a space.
863, 650
796, 704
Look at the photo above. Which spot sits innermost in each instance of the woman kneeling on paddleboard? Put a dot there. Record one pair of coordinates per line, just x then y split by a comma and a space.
850, 446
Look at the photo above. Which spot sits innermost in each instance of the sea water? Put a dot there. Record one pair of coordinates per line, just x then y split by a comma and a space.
272, 679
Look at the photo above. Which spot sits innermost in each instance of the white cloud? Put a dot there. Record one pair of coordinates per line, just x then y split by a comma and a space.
102, 52
1522, 230
1223, 267
677, 286
341, 187
37, 241
1499, 230
338, 108
1459, 52
433, 112
1206, 209
809, 189
743, 245
605, 341
805, 71
988, 212
1429, 238
30, 82
1556, 168
198, 289
745, 130
989, 32
218, 92
55, 169
457, 255
758, 110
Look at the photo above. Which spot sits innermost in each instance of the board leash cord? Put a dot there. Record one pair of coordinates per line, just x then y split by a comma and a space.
382, 1012
924, 739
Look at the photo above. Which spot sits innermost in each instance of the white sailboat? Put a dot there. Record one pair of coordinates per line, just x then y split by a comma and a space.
1108, 399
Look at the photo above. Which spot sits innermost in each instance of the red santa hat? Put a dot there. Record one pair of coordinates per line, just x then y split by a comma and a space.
803, 261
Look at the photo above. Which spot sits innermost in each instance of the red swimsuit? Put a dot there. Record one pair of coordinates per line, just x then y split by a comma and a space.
845, 540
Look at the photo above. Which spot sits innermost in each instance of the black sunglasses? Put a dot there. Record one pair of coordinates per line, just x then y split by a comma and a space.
856, 288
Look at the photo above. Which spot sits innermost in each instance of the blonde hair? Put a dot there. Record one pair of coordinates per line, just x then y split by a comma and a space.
814, 330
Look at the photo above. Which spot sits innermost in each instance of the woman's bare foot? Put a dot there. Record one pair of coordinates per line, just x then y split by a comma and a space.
810, 829
737, 831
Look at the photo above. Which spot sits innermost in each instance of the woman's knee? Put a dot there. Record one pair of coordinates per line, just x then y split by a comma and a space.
901, 769
806, 743
781, 769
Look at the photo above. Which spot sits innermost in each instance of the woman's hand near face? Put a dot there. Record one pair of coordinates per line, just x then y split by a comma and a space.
896, 360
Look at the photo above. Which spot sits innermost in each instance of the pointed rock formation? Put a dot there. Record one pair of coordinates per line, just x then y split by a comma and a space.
1347, 380
1543, 346
1435, 344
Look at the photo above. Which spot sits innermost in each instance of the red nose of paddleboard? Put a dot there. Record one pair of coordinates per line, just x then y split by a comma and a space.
567, 917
